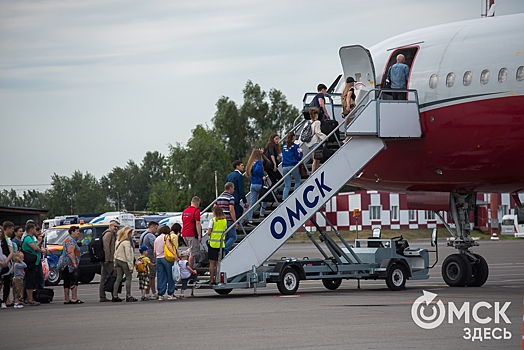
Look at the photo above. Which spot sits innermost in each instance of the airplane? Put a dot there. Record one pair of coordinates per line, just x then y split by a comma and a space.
469, 77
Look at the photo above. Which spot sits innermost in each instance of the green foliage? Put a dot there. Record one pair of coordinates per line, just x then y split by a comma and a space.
78, 194
192, 172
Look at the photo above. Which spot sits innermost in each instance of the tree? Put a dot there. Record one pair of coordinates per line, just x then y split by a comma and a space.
78, 194
232, 128
191, 172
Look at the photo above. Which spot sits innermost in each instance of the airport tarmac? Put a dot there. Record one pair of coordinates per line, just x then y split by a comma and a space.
372, 317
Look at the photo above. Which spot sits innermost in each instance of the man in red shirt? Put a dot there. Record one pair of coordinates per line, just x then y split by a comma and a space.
192, 228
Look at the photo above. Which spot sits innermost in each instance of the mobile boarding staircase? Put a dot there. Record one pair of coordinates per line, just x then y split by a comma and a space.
375, 119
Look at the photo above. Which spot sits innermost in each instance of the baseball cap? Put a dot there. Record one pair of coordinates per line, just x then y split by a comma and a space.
184, 253
350, 80
143, 249
114, 221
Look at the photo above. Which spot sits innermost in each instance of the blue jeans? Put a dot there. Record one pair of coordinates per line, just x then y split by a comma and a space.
164, 275
287, 180
253, 198
231, 237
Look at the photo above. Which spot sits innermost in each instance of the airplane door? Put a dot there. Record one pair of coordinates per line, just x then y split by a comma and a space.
357, 63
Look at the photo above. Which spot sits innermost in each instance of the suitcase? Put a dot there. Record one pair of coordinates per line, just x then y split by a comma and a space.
327, 126
44, 296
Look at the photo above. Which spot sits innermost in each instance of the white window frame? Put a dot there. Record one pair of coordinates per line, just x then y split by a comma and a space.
429, 215
412, 215
394, 213
372, 216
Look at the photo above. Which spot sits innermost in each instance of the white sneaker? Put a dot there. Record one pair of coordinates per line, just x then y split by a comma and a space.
171, 297
4, 306
18, 306
196, 285
154, 296
160, 298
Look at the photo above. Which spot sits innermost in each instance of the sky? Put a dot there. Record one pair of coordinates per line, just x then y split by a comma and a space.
89, 85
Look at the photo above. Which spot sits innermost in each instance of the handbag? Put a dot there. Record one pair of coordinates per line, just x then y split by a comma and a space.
176, 273
45, 268
263, 191
168, 255
303, 171
109, 283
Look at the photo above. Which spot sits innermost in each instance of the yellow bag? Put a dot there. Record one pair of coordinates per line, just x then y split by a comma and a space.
140, 266
167, 253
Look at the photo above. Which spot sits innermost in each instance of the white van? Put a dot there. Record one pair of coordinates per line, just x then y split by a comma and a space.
170, 221
514, 224
124, 219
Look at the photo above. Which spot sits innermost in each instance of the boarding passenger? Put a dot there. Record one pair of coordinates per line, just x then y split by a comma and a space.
163, 266
272, 153
318, 136
148, 239
32, 256
319, 101
124, 263
226, 202
291, 156
9, 231
255, 170
237, 178
108, 239
40, 237
18, 232
68, 263
217, 226
348, 97
18, 279
398, 75
6, 256
192, 229
187, 274
348, 101
142, 269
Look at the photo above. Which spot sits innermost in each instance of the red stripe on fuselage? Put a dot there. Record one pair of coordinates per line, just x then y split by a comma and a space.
478, 146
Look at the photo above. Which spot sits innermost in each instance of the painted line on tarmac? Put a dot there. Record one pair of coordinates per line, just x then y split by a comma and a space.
290, 296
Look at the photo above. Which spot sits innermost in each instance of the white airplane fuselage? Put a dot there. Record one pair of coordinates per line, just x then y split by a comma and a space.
473, 132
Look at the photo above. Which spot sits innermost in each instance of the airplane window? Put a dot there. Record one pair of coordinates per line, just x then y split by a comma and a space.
433, 81
467, 78
503, 75
520, 73
450, 79
484, 77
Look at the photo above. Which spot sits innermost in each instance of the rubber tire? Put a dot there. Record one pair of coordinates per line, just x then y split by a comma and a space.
396, 271
456, 270
86, 278
332, 283
289, 282
54, 277
480, 272
223, 291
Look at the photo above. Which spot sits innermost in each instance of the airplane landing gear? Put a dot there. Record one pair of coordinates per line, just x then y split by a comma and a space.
464, 268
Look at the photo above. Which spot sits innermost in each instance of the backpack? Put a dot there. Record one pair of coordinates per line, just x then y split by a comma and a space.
307, 133
96, 249
140, 266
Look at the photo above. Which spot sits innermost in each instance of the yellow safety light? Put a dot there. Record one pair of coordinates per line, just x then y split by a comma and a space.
356, 213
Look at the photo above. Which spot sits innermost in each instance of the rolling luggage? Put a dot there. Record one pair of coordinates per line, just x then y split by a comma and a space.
327, 126
44, 296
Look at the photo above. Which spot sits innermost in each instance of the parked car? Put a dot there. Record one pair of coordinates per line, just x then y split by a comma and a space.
56, 236
140, 227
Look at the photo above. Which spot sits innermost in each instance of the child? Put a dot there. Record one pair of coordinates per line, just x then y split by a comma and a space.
142, 267
187, 274
18, 280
